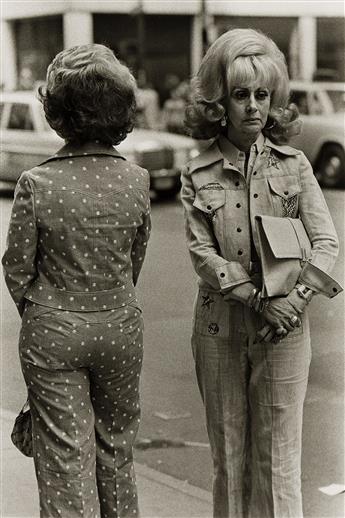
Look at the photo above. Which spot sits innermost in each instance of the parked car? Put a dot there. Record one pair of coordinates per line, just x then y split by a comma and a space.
322, 110
27, 139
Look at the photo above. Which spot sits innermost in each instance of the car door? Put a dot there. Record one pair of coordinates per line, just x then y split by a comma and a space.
311, 109
24, 142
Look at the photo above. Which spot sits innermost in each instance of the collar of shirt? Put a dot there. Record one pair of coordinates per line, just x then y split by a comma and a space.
84, 149
213, 155
233, 157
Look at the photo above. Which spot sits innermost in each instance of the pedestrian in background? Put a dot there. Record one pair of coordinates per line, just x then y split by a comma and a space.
76, 244
253, 390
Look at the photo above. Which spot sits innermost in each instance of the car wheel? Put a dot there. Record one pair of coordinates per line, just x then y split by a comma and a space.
331, 167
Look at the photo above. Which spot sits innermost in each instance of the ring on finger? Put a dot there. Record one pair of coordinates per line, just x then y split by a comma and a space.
293, 320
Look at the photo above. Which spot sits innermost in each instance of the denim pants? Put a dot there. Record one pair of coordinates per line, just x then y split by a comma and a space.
253, 395
82, 372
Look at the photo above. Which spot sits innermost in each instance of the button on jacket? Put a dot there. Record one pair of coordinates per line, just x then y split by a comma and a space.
221, 204
78, 231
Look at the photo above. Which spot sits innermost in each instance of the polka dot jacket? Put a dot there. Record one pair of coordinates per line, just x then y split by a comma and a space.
78, 231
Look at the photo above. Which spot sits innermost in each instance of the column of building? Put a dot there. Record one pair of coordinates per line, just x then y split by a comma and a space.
8, 70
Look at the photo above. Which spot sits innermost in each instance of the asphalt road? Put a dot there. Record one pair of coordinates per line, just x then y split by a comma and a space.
171, 406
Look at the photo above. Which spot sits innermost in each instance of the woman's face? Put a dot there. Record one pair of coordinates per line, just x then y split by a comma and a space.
247, 107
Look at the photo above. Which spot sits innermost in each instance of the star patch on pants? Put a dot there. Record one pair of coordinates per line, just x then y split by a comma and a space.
207, 301
213, 329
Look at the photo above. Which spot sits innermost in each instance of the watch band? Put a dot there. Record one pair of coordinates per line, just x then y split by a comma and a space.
304, 292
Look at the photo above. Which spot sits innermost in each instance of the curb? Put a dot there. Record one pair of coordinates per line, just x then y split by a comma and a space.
143, 471
173, 483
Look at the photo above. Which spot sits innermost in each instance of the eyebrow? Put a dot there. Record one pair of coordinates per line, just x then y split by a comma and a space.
246, 88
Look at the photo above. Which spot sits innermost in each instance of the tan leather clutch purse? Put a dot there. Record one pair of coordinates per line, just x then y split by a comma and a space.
284, 248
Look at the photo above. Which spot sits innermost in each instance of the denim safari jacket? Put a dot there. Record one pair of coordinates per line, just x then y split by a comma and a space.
221, 206
78, 231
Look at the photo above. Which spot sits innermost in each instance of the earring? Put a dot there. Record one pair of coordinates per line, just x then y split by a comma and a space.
223, 121
271, 126
271, 123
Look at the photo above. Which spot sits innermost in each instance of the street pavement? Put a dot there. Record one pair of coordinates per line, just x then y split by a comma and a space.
160, 496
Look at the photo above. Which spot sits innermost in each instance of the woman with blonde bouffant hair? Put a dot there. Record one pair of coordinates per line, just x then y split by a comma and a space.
251, 351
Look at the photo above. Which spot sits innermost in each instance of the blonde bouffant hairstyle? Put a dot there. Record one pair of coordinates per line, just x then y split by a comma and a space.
237, 57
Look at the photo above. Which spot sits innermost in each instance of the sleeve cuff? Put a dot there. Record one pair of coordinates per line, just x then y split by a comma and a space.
319, 281
231, 274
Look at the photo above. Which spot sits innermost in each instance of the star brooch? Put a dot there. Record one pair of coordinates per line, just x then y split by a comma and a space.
272, 161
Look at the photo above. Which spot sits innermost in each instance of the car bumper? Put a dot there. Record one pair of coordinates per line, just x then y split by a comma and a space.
164, 179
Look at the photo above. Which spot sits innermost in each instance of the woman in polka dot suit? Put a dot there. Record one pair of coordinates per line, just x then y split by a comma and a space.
76, 244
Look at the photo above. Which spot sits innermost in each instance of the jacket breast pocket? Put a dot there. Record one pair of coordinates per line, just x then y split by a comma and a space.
284, 192
210, 202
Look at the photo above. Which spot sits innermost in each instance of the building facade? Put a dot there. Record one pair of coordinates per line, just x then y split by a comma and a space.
163, 39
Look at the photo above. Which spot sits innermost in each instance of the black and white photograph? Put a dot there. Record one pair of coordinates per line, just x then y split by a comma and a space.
172, 188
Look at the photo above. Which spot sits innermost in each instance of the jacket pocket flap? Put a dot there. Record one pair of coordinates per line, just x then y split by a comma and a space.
209, 200
285, 186
287, 237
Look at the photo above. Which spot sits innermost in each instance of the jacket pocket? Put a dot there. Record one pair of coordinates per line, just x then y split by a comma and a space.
209, 200
284, 192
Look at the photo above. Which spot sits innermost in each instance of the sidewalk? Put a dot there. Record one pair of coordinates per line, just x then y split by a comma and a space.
160, 496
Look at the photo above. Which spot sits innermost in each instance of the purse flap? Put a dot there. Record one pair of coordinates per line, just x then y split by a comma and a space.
287, 237
284, 186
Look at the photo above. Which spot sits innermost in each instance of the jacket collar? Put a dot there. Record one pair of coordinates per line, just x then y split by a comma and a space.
233, 156
283, 150
86, 148
212, 154
209, 156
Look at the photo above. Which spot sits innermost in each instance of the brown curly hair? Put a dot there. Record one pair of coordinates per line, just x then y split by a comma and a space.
237, 56
89, 95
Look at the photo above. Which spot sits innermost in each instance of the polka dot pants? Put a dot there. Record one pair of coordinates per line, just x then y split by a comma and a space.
82, 372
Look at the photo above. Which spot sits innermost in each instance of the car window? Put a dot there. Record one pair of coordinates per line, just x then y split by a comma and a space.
300, 99
337, 98
20, 117
316, 107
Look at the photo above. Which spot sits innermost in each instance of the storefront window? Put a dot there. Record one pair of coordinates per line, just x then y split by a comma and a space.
155, 47
280, 30
38, 40
330, 49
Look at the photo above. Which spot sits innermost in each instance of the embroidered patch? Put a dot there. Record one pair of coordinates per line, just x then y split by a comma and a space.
289, 206
212, 186
272, 161
213, 329
207, 301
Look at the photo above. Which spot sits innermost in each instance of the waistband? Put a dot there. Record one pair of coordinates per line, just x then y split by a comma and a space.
81, 301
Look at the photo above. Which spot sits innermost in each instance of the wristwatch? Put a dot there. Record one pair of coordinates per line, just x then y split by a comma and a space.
304, 292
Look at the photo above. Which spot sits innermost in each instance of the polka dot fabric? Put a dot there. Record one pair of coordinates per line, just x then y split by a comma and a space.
82, 371
78, 230
76, 244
